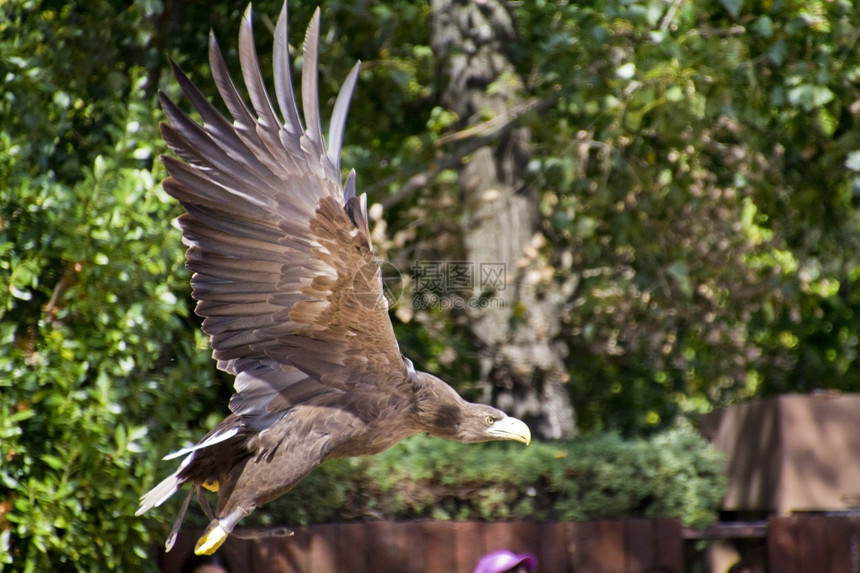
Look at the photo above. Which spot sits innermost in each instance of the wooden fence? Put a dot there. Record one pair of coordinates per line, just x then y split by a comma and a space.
632, 546
813, 544
800, 543
797, 544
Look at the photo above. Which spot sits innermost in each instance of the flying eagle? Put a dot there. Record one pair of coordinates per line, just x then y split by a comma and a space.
280, 251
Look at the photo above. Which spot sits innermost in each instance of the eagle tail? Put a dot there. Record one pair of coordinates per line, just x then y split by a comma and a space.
171, 484
163, 491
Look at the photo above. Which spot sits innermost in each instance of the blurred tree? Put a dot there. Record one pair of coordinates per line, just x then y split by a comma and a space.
513, 320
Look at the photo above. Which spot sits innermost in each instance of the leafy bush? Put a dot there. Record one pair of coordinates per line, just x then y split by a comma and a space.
98, 362
99, 358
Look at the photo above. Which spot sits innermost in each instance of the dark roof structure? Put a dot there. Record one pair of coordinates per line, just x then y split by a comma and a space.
289, 287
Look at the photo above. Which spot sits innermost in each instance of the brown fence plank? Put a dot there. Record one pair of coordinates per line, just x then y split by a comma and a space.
554, 551
781, 547
641, 546
840, 545
469, 546
440, 542
499, 535
414, 550
280, 554
382, 546
323, 550
583, 538
611, 546
529, 537
353, 554
811, 557
518, 536
668, 538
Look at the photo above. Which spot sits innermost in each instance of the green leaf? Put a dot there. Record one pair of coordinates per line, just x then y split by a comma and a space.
54, 462
809, 96
763, 26
733, 7
681, 272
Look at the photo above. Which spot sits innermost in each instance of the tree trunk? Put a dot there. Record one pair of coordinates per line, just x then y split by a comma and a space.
513, 315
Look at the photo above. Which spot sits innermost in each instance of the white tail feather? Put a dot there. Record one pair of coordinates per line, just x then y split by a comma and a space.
211, 441
162, 492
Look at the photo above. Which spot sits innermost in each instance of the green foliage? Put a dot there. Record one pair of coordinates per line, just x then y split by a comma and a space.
672, 474
697, 175
99, 361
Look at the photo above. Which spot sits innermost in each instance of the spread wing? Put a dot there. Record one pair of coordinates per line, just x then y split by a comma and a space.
284, 270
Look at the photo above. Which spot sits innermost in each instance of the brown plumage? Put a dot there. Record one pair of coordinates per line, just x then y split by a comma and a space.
288, 284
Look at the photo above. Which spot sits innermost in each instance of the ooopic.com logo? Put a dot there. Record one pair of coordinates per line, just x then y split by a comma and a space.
445, 285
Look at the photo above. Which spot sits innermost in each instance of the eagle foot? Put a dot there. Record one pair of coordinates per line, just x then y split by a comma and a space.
218, 531
212, 539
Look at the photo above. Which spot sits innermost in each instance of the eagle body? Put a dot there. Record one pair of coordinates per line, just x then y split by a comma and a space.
289, 288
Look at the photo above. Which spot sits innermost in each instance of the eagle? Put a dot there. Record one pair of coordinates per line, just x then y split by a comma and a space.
290, 292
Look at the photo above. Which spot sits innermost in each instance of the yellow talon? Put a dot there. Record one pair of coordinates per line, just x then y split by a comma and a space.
211, 540
211, 485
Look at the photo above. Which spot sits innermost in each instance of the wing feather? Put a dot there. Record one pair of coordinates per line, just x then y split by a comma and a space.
258, 142
280, 248
221, 132
310, 78
338, 116
283, 78
267, 122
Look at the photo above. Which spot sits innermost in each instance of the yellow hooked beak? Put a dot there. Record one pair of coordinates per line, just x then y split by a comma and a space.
511, 429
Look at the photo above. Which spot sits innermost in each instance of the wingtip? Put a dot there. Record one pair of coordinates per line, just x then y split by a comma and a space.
175, 68
247, 25
310, 73
312, 34
214, 50
339, 114
284, 91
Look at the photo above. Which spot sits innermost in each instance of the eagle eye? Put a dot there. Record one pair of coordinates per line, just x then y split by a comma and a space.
489, 420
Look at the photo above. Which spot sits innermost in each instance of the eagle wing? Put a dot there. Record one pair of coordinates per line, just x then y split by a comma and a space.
284, 271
